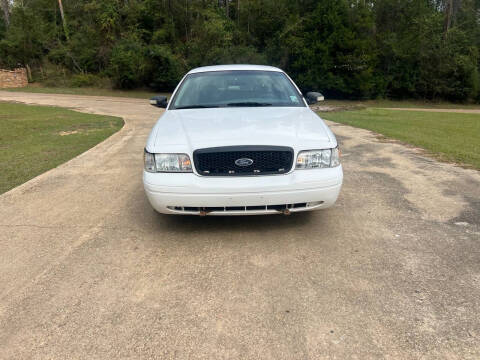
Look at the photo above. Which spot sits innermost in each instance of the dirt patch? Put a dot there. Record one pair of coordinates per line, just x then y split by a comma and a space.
65, 133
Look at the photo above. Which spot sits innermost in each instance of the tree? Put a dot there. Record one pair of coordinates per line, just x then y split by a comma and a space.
346, 48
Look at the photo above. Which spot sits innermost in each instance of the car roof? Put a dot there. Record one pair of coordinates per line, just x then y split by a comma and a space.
234, 67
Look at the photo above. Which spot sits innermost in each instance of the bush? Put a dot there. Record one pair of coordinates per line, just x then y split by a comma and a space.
164, 68
85, 80
51, 75
127, 64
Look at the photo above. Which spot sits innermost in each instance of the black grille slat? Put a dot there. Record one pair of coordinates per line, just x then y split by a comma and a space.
267, 160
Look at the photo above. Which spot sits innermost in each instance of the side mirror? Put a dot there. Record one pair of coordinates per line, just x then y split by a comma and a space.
159, 101
314, 97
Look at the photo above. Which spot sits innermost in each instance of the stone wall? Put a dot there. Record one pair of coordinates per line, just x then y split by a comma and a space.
13, 78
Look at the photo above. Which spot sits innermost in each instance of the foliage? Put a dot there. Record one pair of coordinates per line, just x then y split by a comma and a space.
85, 80
345, 48
127, 63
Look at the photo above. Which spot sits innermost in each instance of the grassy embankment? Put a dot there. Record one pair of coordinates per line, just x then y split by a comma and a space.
34, 139
140, 94
451, 137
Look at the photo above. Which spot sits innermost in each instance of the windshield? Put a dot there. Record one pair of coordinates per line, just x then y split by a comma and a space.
236, 89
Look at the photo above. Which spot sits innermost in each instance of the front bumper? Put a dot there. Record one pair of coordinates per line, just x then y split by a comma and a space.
300, 190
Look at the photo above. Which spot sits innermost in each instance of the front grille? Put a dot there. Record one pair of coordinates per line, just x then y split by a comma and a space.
256, 160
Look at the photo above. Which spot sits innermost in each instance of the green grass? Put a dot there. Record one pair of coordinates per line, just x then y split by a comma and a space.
140, 94
34, 139
397, 104
450, 136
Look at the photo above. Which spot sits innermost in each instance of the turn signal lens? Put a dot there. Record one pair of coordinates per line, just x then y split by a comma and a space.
335, 161
149, 161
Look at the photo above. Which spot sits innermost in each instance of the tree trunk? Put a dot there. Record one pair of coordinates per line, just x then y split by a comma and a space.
187, 20
248, 17
64, 22
29, 73
448, 17
6, 11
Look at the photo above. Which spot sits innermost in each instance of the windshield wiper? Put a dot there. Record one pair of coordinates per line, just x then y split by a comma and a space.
197, 107
248, 103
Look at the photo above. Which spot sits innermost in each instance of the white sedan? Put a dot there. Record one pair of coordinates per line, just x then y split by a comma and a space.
240, 140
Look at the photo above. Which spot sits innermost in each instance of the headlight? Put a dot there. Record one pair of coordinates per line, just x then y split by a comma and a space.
316, 159
167, 162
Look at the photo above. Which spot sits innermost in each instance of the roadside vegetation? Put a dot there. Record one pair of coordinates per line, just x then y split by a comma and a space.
34, 139
451, 137
346, 49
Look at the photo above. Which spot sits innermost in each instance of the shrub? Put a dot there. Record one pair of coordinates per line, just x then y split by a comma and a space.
85, 80
164, 68
127, 64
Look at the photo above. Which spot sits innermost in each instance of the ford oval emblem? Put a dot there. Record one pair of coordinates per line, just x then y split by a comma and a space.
244, 162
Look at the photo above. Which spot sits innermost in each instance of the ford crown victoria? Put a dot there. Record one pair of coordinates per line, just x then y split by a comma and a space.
240, 140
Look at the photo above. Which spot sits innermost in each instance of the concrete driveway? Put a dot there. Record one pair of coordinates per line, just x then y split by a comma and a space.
89, 271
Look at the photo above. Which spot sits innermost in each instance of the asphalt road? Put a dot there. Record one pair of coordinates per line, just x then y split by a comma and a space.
89, 271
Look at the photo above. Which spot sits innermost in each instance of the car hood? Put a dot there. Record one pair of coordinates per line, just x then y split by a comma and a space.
191, 129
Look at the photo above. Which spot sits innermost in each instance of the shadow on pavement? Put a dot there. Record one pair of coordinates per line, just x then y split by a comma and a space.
187, 223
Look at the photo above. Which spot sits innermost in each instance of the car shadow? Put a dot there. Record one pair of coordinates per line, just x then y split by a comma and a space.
188, 223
